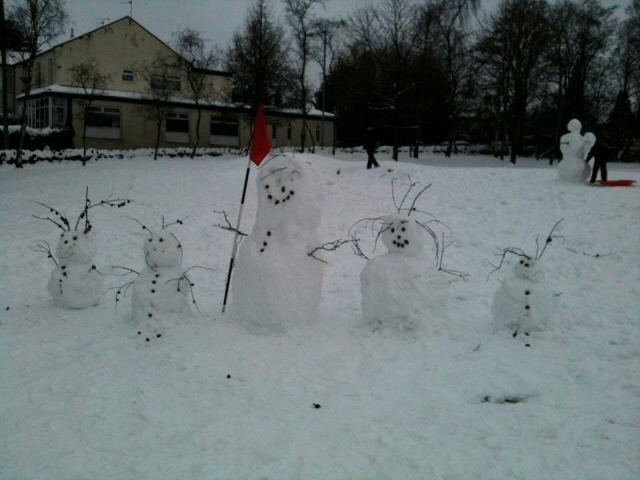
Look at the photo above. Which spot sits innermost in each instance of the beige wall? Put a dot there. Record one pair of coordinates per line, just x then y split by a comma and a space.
118, 46
135, 132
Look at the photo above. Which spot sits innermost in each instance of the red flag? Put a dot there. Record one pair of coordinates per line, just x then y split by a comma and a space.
260, 140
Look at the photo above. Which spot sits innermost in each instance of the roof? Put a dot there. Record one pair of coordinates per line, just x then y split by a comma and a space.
107, 25
68, 91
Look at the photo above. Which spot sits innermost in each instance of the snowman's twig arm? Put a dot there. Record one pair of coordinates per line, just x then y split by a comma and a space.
550, 238
129, 270
228, 226
329, 247
44, 247
51, 220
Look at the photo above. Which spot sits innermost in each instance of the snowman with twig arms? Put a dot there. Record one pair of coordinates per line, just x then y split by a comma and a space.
75, 281
524, 301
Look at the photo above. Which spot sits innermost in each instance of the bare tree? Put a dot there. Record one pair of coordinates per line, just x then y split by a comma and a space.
258, 59
326, 53
511, 49
195, 63
38, 22
88, 77
390, 34
158, 95
301, 21
449, 18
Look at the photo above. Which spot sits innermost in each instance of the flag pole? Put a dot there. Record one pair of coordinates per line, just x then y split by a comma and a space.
235, 238
260, 147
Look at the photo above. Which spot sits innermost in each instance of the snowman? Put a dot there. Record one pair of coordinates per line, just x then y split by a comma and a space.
162, 290
75, 281
523, 303
402, 289
575, 148
276, 284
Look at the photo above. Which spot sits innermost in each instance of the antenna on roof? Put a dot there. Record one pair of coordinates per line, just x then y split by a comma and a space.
102, 20
130, 2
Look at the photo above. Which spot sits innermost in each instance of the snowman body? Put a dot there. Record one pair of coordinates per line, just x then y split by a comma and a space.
276, 284
161, 288
75, 282
523, 303
402, 289
574, 148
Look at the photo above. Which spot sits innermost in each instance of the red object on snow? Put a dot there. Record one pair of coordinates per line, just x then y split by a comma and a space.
260, 139
618, 183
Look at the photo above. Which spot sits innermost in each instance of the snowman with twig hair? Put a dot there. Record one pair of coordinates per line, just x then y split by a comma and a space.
75, 281
163, 289
404, 289
524, 301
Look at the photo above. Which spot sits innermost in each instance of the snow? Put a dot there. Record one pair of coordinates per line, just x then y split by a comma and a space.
83, 397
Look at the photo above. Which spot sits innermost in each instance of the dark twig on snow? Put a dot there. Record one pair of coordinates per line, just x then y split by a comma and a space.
144, 227
177, 222
109, 202
121, 290
593, 255
512, 250
63, 221
228, 227
190, 284
329, 247
550, 238
44, 247
129, 270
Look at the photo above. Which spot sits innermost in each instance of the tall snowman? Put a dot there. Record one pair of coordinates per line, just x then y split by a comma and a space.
161, 292
403, 289
276, 285
574, 148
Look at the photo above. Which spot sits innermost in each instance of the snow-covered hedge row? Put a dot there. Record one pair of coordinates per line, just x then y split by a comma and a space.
46, 154
38, 139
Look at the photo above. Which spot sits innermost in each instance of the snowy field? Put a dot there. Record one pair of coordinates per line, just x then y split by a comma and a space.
83, 396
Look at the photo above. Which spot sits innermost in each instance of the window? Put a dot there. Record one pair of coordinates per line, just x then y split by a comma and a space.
103, 122
38, 116
166, 82
177, 127
47, 112
224, 133
127, 75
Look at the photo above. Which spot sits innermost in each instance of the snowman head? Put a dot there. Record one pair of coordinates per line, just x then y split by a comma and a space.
162, 249
528, 269
401, 234
574, 125
288, 187
75, 247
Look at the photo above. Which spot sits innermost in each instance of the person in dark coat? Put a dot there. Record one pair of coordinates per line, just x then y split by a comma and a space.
600, 154
370, 147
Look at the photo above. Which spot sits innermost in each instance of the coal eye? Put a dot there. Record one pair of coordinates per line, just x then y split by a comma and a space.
75, 237
393, 230
161, 239
403, 229
266, 186
526, 264
521, 262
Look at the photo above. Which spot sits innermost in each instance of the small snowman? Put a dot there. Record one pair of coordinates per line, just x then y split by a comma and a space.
403, 289
524, 302
75, 281
575, 148
276, 284
162, 290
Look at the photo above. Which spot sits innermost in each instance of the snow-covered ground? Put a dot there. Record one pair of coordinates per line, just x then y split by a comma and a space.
83, 396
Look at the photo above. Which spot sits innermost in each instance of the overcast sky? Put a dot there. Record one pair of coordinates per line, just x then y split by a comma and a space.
216, 20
